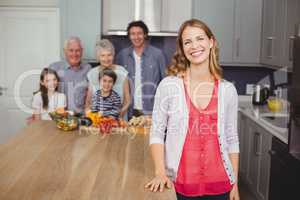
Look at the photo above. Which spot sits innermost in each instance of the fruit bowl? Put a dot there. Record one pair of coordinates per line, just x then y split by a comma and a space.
68, 123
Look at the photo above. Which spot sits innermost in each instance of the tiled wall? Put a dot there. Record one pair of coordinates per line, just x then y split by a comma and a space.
240, 75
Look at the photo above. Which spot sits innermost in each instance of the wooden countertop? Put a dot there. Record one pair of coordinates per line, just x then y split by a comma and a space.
44, 163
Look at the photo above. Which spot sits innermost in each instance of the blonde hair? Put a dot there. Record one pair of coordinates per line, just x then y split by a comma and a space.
104, 44
179, 61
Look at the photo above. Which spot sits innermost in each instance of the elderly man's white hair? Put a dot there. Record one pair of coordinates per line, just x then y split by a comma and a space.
72, 39
104, 44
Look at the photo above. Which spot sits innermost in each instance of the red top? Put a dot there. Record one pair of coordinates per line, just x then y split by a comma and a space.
201, 170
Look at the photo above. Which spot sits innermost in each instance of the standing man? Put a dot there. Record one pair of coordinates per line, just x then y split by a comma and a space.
146, 68
72, 74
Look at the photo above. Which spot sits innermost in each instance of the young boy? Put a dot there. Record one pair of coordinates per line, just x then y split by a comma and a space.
105, 100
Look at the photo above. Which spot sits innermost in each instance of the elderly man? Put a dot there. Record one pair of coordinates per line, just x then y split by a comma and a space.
146, 67
73, 74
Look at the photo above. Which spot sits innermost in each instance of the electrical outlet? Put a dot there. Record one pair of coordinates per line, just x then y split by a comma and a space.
249, 89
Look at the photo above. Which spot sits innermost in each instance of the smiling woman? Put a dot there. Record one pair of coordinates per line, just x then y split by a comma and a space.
200, 162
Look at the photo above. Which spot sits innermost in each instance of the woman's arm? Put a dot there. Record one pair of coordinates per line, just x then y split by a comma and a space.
232, 137
126, 98
234, 158
160, 181
157, 138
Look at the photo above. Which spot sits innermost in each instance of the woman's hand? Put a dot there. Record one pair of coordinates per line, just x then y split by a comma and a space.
234, 193
158, 183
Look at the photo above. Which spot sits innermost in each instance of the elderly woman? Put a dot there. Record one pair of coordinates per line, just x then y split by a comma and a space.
105, 54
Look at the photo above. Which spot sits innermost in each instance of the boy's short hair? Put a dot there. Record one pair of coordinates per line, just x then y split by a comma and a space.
108, 72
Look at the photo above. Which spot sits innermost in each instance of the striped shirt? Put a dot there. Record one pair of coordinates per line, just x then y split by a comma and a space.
108, 106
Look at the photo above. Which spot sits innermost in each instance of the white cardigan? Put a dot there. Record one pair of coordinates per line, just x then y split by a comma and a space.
170, 113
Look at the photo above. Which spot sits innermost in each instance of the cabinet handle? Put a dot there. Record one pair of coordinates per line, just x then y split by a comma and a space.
257, 143
270, 47
272, 152
237, 47
291, 46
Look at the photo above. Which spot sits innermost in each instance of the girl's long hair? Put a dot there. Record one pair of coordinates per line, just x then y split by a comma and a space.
180, 63
43, 89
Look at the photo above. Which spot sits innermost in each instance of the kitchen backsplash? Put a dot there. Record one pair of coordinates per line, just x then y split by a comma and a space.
239, 75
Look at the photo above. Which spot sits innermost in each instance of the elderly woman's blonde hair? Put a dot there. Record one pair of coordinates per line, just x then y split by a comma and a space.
106, 45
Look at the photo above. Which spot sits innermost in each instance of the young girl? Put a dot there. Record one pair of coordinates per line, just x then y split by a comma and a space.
199, 152
47, 99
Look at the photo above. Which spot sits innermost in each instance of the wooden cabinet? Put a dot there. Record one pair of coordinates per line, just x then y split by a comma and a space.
279, 19
255, 143
237, 26
82, 19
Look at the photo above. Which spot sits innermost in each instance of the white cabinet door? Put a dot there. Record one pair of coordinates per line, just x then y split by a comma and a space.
247, 31
29, 39
292, 18
263, 178
272, 34
244, 139
174, 13
259, 143
117, 14
219, 16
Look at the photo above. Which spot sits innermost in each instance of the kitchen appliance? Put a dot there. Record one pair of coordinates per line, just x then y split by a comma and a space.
260, 95
163, 17
285, 172
294, 99
285, 158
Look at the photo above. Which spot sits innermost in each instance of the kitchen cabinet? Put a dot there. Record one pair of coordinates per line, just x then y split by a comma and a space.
163, 17
285, 172
82, 19
271, 33
243, 138
112, 10
237, 26
174, 13
33, 3
258, 173
255, 144
292, 17
279, 19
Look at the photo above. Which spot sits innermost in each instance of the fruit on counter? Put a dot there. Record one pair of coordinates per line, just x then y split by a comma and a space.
60, 110
107, 123
140, 121
94, 116
138, 130
122, 123
275, 105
